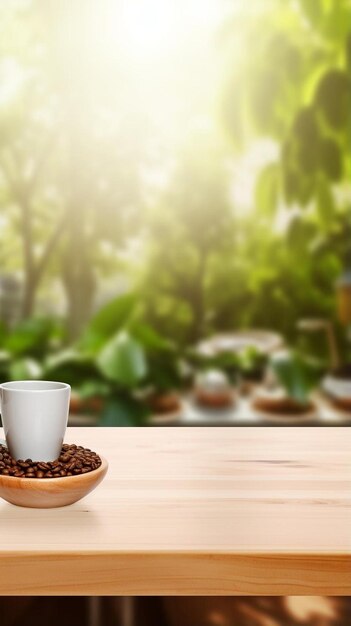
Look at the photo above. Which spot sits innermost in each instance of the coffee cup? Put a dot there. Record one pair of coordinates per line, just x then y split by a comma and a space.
34, 416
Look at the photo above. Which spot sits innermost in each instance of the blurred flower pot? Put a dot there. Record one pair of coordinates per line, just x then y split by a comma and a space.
164, 406
276, 405
213, 390
80, 405
337, 385
344, 298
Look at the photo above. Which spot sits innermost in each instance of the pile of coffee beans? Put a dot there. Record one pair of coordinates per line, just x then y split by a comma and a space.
72, 461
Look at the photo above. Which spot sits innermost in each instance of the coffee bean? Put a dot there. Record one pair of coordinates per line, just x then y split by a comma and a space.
73, 460
22, 464
44, 466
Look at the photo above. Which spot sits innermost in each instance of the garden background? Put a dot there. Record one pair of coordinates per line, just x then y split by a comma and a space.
168, 171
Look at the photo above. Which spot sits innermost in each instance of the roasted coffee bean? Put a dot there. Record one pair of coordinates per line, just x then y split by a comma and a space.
22, 464
73, 460
44, 466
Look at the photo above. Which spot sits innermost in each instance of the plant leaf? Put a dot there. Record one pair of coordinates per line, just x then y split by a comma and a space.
123, 360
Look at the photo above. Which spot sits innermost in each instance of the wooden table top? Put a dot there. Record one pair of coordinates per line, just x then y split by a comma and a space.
210, 511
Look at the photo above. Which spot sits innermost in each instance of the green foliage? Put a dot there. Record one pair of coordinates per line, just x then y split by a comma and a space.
268, 189
297, 375
122, 360
24, 369
31, 337
333, 99
205, 264
325, 203
71, 366
226, 361
164, 366
124, 410
109, 320
252, 363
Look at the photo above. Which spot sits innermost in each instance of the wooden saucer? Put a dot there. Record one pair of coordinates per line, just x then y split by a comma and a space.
49, 493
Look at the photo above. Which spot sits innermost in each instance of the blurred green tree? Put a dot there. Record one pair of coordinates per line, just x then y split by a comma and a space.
191, 237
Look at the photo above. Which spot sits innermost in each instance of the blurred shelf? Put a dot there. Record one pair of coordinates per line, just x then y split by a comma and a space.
242, 414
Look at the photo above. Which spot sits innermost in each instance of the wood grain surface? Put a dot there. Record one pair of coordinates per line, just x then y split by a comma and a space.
210, 511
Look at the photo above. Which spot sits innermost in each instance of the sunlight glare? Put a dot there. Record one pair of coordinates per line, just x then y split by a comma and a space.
149, 27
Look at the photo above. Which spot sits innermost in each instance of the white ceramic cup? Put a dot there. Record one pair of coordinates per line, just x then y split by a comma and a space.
34, 416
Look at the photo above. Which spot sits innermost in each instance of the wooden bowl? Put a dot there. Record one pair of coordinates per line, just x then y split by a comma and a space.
49, 493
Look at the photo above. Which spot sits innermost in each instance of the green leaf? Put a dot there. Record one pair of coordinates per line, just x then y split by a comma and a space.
72, 367
313, 10
124, 411
267, 189
337, 21
110, 319
297, 375
325, 202
123, 360
25, 369
29, 337
150, 338
331, 159
333, 98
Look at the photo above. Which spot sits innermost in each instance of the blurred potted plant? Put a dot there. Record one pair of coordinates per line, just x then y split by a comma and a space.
252, 365
292, 380
166, 373
81, 372
213, 390
122, 363
216, 380
105, 367
337, 382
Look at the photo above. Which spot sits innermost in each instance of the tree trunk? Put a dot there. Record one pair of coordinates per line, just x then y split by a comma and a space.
80, 289
199, 306
28, 299
78, 277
